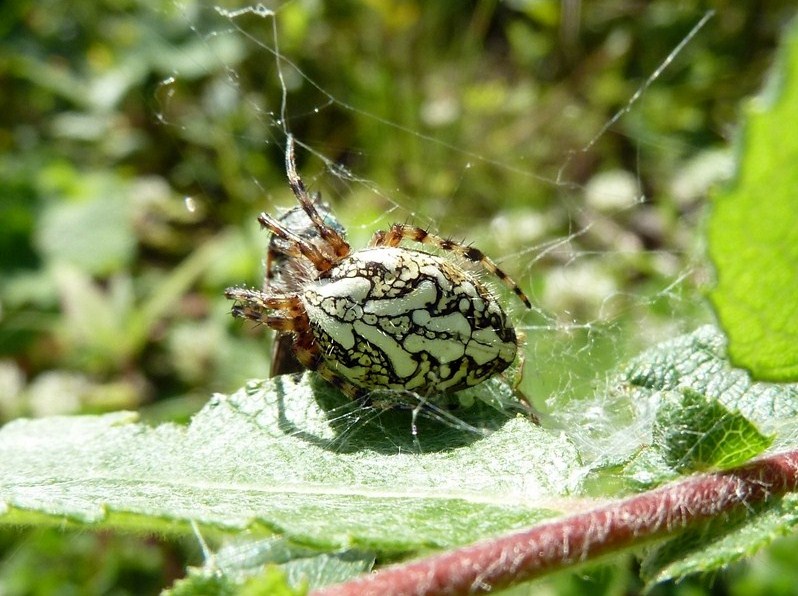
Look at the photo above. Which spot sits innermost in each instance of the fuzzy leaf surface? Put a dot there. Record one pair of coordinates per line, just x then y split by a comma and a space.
295, 459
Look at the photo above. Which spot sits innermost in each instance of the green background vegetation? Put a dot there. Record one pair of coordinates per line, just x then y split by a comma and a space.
468, 119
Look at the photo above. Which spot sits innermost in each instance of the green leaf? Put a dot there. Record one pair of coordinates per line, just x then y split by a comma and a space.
197, 583
270, 566
697, 361
247, 563
296, 459
721, 541
753, 236
617, 435
696, 432
292, 459
672, 427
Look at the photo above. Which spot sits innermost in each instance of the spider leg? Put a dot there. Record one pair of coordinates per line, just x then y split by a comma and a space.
333, 239
307, 352
290, 317
347, 388
297, 245
281, 253
398, 232
257, 299
281, 313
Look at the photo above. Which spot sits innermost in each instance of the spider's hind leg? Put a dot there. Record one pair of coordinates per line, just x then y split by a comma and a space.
398, 232
307, 353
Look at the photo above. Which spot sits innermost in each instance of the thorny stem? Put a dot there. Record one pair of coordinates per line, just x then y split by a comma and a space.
578, 538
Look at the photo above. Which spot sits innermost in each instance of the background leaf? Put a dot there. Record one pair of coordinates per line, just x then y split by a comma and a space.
721, 541
753, 236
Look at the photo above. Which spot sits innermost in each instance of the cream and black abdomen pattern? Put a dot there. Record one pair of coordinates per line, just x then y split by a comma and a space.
393, 318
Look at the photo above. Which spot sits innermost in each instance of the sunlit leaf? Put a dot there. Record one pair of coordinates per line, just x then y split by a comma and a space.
296, 460
753, 236
696, 432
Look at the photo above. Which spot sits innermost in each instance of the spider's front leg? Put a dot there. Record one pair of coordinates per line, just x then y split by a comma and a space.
286, 314
281, 313
334, 240
295, 245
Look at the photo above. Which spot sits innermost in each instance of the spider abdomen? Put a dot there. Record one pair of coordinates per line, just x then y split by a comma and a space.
394, 318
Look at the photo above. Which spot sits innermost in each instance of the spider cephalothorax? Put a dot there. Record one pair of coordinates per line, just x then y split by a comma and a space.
384, 317
286, 274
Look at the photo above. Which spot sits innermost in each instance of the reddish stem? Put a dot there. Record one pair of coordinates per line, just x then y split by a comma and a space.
561, 543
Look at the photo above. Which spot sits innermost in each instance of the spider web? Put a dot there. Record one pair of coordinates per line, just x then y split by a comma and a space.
581, 238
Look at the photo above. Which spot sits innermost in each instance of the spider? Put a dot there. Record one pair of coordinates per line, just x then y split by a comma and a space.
383, 318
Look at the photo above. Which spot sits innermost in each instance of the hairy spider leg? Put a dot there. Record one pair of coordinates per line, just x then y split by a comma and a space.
291, 318
347, 388
340, 247
298, 245
276, 249
284, 360
258, 306
397, 232
307, 353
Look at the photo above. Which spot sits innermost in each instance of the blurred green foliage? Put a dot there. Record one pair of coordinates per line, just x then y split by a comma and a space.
138, 140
